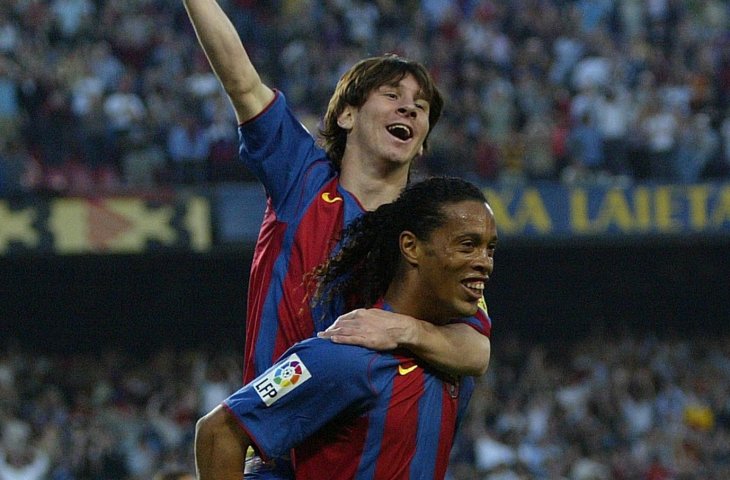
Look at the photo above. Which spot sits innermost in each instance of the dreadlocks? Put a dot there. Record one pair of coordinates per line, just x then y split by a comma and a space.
369, 258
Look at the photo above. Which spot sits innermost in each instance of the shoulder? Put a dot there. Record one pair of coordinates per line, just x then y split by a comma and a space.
334, 359
274, 109
326, 350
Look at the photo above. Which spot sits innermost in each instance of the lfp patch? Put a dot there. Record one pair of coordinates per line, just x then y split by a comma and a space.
281, 379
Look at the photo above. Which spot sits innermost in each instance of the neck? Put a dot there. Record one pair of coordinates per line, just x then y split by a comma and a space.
404, 297
371, 185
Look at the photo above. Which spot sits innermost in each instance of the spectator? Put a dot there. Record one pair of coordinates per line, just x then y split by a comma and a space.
20, 457
539, 159
64, 62
613, 117
10, 112
84, 411
188, 147
124, 108
19, 171
143, 161
659, 126
585, 150
73, 17
724, 163
698, 149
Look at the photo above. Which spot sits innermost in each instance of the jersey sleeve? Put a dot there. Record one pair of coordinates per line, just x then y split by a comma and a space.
283, 155
480, 321
311, 384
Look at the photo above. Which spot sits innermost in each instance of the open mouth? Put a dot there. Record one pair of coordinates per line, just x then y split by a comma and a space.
476, 287
400, 131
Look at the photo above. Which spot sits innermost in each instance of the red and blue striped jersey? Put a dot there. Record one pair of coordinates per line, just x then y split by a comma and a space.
306, 209
353, 413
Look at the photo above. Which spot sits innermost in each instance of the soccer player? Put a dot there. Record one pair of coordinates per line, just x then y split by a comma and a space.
354, 413
376, 124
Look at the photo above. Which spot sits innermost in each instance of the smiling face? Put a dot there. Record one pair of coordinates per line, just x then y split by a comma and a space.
389, 127
455, 262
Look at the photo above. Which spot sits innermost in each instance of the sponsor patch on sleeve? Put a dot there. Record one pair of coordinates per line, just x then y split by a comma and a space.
281, 379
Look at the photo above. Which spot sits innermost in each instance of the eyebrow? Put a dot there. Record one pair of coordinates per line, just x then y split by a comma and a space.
420, 95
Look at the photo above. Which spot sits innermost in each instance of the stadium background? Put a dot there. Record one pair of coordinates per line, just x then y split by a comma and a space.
548, 289
124, 256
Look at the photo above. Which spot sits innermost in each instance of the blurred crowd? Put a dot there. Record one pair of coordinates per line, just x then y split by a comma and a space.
98, 94
111, 416
614, 407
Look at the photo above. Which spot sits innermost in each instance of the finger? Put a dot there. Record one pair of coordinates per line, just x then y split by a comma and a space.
348, 339
348, 315
327, 333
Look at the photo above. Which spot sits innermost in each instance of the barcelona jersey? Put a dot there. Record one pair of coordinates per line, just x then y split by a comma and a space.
353, 413
306, 209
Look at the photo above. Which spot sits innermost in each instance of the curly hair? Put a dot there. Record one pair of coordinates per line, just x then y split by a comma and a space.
369, 256
359, 81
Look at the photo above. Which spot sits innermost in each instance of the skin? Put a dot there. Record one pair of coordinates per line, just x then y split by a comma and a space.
374, 169
448, 271
174, 476
430, 284
368, 138
220, 446
461, 249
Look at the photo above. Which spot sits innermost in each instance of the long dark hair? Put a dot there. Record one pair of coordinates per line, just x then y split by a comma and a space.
369, 255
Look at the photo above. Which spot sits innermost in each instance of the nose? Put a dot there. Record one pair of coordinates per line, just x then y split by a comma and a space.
408, 110
484, 262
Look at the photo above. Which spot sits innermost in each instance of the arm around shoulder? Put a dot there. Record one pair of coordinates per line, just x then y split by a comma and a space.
455, 348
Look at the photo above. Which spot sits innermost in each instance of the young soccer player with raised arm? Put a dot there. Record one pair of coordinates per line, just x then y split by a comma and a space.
376, 125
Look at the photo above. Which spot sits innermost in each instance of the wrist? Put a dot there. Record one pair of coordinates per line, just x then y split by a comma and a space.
409, 332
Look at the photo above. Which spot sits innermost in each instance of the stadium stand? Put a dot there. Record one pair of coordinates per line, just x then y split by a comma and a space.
106, 95
608, 407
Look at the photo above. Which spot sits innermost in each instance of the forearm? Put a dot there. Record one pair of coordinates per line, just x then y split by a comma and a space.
220, 447
228, 58
455, 348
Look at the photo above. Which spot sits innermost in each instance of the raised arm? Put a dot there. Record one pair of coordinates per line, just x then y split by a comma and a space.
220, 446
455, 348
228, 58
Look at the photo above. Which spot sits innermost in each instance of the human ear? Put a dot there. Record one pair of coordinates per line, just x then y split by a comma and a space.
409, 247
345, 119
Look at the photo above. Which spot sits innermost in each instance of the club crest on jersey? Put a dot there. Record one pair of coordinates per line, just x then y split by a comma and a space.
281, 379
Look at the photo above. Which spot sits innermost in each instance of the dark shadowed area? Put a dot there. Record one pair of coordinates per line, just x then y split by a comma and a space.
539, 292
